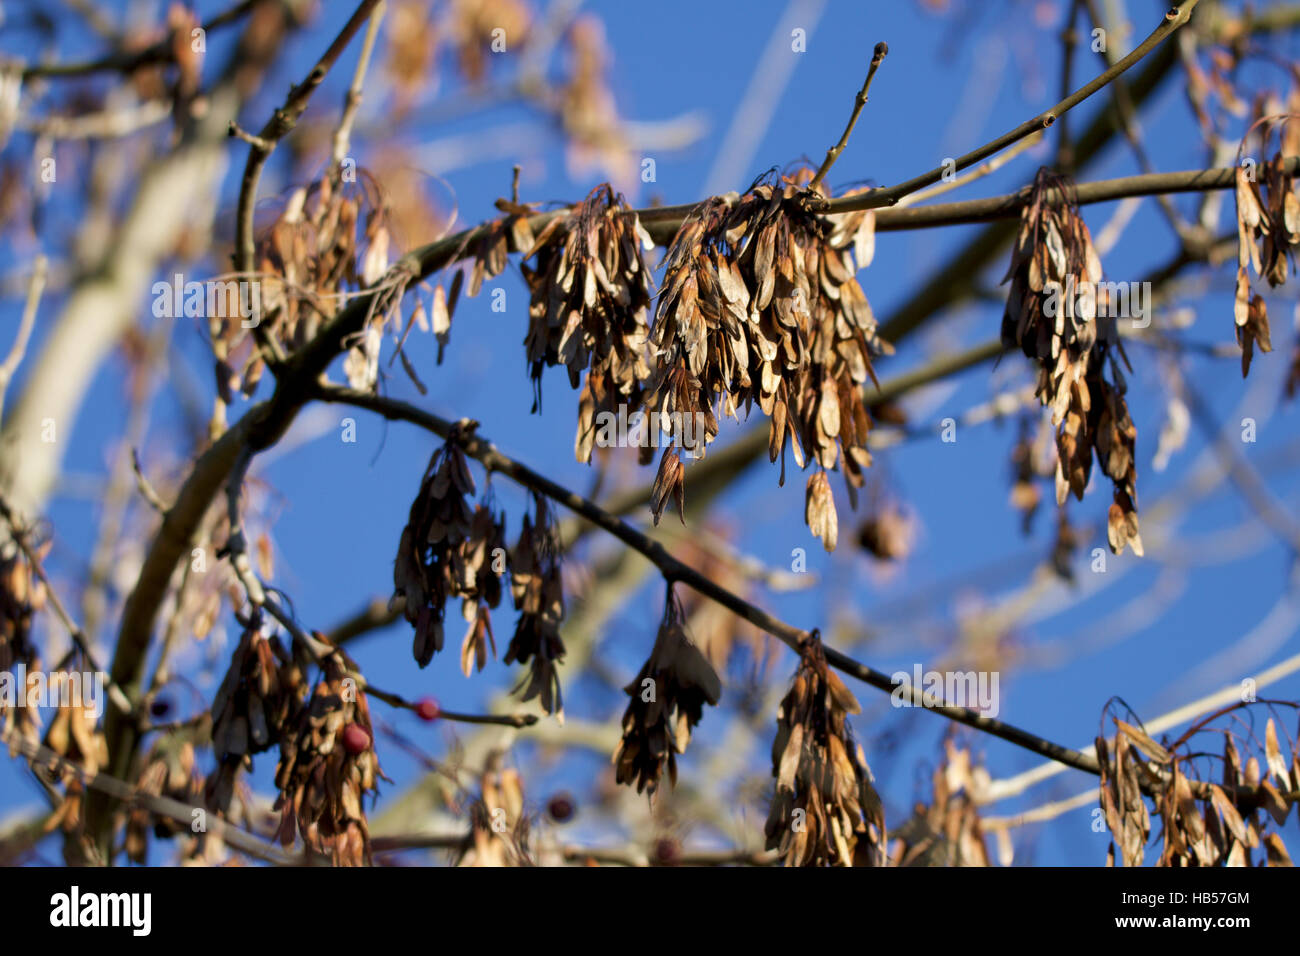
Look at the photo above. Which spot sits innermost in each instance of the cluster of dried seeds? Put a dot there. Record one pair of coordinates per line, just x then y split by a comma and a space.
825, 811
22, 595
948, 831
489, 247
1121, 799
1052, 315
538, 592
448, 550
330, 238
327, 766
472, 28
73, 735
589, 299
760, 304
888, 532
1277, 782
169, 771
499, 826
667, 700
1268, 232
259, 699
1115, 438
1202, 824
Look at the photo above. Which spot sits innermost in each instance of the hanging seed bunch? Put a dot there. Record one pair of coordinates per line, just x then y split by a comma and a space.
470, 28
589, 300
1202, 823
73, 735
1187, 839
1052, 315
887, 534
492, 249
22, 595
447, 550
169, 771
1121, 799
496, 238
948, 832
1115, 438
538, 592
500, 828
1268, 232
1235, 831
825, 811
759, 304
1053, 256
668, 698
259, 698
330, 238
327, 766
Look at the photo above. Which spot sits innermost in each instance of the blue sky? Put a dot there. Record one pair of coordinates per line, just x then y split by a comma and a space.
1158, 632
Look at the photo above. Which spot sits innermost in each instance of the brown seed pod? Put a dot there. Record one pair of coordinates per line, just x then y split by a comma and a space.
1052, 316
760, 304
538, 592
327, 766
667, 701
448, 550
825, 811
589, 300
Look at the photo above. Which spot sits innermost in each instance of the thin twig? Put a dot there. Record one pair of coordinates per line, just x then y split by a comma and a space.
281, 123
1174, 19
1069, 41
171, 635
236, 547
979, 172
1244, 476
154, 803
126, 63
378, 613
352, 100
104, 124
147, 490
1041, 814
1128, 123
859, 101
35, 287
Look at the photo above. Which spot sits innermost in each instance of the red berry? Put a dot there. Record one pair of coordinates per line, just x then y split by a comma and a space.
427, 709
561, 808
666, 851
355, 739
